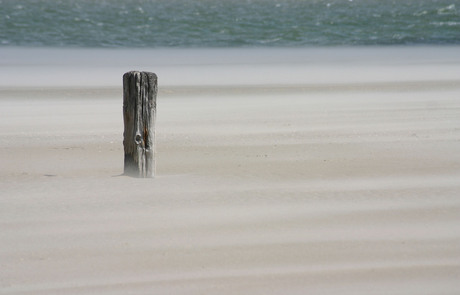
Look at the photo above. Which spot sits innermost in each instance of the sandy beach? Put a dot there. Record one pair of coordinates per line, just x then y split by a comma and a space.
279, 171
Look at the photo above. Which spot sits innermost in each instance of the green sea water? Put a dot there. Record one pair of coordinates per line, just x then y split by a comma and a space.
227, 23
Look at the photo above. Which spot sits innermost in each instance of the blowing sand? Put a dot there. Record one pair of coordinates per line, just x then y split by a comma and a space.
279, 171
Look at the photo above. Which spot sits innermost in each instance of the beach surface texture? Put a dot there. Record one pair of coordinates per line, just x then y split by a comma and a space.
279, 171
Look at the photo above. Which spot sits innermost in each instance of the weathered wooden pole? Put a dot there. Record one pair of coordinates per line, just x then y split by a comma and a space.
139, 112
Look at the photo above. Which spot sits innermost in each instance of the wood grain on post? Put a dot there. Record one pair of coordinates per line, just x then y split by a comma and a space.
139, 112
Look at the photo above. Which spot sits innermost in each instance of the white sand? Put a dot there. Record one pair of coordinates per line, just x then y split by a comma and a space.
314, 171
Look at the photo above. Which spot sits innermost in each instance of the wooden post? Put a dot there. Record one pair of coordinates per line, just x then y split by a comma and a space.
139, 112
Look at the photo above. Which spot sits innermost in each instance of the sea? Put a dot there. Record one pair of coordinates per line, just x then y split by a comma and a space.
227, 23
